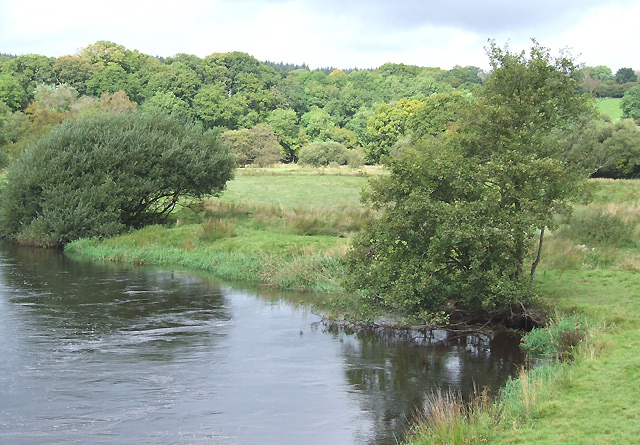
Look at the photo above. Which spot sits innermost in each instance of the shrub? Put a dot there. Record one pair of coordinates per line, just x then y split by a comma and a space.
321, 154
103, 174
257, 146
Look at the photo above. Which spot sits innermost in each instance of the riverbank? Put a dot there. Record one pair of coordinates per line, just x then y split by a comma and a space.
290, 228
589, 395
287, 227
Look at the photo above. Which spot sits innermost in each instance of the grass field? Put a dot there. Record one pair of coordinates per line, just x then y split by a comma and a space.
291, 227
285, 227
610, 106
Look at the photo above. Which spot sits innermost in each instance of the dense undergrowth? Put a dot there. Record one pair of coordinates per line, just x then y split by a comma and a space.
290, 228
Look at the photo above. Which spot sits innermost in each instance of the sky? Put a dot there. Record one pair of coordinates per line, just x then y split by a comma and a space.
323, 33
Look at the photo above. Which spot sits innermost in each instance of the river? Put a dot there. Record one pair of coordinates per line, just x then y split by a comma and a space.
113, 354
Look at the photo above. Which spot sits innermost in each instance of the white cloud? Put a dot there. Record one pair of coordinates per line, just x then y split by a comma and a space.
357, 33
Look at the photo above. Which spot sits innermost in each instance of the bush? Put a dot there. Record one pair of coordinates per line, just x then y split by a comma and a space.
257, 146
103, 174
321, 154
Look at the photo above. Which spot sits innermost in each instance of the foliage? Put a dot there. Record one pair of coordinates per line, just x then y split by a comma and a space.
11, 92
105, 173
626, 75
284, 124
55, 98
257, 146
630, 104
322, 154
558, 339
459, 213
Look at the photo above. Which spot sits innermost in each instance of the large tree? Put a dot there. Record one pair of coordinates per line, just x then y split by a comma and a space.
103, 174
459, 212
630, 104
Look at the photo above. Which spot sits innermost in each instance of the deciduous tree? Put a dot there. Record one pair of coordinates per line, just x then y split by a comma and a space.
459, 212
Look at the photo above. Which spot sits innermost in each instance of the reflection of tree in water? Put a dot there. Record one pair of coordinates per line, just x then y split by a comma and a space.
108, 305
395, 370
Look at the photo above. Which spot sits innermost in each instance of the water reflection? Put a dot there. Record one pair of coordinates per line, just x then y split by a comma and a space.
99, 353
396, 370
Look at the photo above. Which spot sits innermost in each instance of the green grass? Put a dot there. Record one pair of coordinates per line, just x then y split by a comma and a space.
285, 227
290, 228
588, 393
610, 106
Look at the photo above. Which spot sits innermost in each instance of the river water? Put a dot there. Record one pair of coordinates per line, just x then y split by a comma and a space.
112, 354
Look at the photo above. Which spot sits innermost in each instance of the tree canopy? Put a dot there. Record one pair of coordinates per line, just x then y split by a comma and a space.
105, 173
460, 211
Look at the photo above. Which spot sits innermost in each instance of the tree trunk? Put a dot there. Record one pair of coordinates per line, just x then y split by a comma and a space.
537, 261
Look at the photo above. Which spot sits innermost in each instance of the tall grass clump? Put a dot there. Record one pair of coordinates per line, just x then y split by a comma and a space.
611, 226
559, 339
214, 229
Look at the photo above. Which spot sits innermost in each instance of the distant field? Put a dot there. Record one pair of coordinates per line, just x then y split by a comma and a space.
610, 106
291, 188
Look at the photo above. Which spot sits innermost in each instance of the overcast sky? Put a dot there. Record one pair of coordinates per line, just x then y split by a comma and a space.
341, 33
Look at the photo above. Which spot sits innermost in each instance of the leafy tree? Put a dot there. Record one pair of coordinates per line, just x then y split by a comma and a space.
167, 102
284, 124
216, 108
176, 78
387, 125
317, 124
459, 212
630, 104
55, 98
116, 102
30, 70
111, 78
256, 146
104, 53
73, 71
321, 154
100, 175
612, 150
437, 113
626, 75
11, 92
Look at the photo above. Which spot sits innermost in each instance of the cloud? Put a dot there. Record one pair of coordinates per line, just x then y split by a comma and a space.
353, 33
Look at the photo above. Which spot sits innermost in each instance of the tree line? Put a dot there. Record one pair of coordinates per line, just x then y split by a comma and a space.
280, 108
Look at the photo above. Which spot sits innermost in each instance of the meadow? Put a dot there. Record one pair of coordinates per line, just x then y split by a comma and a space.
290, 228
610, 106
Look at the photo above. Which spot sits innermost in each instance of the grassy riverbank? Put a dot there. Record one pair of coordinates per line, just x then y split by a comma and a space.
291, 227
590, 278
285, 227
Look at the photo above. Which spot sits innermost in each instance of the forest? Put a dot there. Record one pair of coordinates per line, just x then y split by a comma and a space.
281, 112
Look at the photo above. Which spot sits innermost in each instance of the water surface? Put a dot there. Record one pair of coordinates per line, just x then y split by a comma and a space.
101, 353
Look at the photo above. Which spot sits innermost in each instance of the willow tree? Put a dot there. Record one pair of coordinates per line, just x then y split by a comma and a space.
460, 211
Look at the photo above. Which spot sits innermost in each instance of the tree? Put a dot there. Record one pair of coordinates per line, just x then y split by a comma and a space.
626, 75
630, 104
11, 92
387, 125
103, 174
600, 72
30, 70
167, 102
437, 113
73, 71
256, 146
55, 98
284, 124
459, 212
176, 78
321, 154
216, 108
